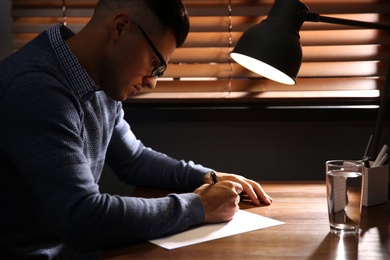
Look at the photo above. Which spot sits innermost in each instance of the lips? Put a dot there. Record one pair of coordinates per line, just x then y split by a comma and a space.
138, 89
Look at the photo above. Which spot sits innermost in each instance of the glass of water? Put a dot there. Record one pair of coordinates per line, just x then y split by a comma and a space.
344, 183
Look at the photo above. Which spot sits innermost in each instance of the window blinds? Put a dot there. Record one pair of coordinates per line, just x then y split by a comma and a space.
339, 62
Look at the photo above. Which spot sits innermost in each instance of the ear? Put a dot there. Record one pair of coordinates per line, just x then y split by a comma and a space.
119, 24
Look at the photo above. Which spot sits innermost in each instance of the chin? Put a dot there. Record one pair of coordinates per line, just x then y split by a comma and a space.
123, 98
126, 96
118, 97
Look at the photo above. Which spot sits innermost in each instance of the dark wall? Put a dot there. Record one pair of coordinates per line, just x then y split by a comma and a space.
262, 144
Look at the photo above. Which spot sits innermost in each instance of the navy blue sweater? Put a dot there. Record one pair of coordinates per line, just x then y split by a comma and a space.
55, 136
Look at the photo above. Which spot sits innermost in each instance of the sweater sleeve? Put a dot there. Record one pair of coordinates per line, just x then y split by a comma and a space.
57, 197
142, 166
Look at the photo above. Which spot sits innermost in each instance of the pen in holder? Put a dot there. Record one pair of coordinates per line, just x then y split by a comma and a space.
375, 186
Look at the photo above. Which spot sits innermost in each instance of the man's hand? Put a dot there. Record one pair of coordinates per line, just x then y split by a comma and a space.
220, 200
251, 189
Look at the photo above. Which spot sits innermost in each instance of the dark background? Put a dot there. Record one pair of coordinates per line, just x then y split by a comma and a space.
254, 141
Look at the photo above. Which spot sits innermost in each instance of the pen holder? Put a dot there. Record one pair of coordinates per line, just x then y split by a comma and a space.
375, 186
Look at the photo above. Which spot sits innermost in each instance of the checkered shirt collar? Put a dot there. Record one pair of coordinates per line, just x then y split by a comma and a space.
80, 82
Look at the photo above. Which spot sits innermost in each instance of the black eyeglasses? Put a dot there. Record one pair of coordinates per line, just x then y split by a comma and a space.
158, 71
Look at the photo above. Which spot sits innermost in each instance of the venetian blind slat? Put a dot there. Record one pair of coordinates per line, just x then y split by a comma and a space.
311, 54
248, 11
264, 85
308, 69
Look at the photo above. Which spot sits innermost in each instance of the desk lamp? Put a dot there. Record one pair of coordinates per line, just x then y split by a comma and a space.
273, 50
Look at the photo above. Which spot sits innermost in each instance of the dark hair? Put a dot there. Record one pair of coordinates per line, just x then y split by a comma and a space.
172, 14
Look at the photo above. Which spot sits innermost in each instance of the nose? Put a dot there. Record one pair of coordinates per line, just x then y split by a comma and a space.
150, 82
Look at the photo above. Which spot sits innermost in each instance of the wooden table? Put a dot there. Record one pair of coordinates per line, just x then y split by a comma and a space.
305, 234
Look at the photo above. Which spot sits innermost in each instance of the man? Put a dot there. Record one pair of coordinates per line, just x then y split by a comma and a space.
61, 119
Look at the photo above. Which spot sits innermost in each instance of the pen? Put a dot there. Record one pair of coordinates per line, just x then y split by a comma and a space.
366, 161
381, 153
368, 146
214, 176
383, 160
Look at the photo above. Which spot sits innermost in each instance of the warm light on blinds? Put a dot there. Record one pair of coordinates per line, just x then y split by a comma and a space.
338, 61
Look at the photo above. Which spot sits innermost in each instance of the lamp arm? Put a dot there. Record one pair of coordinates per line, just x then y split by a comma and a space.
315, 17
304, 15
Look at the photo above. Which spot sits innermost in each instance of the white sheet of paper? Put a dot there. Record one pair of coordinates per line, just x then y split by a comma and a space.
243, 221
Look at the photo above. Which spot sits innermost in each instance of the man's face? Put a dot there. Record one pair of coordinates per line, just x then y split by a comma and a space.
127, 67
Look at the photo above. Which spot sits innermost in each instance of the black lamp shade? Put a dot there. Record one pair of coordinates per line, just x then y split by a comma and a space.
272, 48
